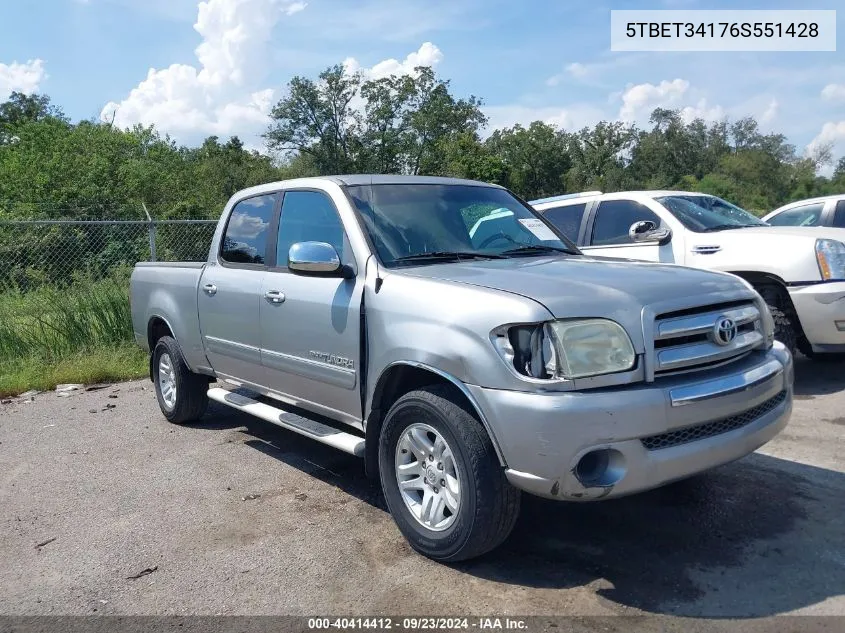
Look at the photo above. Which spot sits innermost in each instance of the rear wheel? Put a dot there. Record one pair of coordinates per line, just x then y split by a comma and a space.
441, 478
182, 395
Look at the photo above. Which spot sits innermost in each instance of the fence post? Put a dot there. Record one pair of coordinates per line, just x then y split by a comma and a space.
151, 228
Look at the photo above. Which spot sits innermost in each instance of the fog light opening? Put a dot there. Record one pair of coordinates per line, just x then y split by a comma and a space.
600, 468
840, 325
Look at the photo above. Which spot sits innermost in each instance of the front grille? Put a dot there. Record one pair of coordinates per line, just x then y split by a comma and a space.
710, 429
686, 340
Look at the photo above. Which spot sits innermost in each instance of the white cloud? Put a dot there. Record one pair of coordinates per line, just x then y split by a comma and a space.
296, 7
832, 133
221, 95
571, 117
771, 112
702, 110
834, 92
639, 100
575, 69
427, 55
25, 77
246, 226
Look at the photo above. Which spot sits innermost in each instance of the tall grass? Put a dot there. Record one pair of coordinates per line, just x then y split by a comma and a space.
50, 323
62, 327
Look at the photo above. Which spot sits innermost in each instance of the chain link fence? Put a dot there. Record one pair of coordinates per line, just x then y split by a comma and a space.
58, 252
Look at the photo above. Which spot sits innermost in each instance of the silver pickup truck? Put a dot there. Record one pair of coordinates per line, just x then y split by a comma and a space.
359, 311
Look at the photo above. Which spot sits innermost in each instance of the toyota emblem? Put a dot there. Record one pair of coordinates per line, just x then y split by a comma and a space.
724, 331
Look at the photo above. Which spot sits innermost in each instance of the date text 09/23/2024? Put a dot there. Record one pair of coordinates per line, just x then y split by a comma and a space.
418, 623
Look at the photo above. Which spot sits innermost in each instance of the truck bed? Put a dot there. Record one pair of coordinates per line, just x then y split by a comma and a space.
168, 291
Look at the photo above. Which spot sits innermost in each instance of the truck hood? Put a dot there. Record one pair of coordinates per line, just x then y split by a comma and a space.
581, 286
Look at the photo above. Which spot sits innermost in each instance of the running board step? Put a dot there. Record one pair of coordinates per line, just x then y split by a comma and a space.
313, 429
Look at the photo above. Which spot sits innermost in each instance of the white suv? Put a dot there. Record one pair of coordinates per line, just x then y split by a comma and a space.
825, 211
800, 272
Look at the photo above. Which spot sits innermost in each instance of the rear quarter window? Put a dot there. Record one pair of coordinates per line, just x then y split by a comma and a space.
839, 214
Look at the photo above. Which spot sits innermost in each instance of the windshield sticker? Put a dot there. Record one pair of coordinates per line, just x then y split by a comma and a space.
540, 230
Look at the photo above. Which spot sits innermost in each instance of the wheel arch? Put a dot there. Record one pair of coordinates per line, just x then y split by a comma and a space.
762, 279
157, 328
399, 378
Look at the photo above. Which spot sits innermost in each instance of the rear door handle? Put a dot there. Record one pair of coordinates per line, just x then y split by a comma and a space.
210, 289
274, 296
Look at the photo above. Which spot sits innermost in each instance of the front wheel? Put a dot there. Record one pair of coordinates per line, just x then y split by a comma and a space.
834, 357
441, 478
785, 330
182, 395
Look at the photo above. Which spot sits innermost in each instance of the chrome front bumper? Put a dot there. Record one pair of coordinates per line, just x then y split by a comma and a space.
704, 419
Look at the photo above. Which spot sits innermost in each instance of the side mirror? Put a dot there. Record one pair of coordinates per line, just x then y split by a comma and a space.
314, 258
648, 231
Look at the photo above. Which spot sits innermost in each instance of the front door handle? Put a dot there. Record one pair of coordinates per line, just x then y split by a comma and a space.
210, 289
274, 296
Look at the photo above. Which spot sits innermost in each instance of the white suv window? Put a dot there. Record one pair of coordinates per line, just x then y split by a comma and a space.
839, 215
614, 219
567, 218
805, 215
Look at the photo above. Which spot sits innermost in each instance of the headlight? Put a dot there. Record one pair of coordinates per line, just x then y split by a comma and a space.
830, 254
590, 347
565, 349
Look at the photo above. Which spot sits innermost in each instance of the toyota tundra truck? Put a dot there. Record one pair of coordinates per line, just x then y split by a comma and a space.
464, 367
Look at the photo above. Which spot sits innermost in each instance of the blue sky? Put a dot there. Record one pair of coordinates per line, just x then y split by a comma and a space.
216, 67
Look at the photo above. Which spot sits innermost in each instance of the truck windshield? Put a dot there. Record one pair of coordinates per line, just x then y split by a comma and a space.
414, 224
708, 213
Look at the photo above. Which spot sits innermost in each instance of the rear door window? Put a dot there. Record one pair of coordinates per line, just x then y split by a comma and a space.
245, 238
567, 218
614, 219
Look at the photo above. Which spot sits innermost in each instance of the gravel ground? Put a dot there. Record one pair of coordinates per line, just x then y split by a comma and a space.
108, 509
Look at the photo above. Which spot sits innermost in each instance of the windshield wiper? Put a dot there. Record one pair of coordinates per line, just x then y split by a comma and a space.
447, 255
536, 248
727, 227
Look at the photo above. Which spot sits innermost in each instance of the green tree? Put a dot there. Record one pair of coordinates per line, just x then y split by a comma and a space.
318, 118
839, 170
598, 156
465, 156
537, 158
22, 108
674, 150
395, 124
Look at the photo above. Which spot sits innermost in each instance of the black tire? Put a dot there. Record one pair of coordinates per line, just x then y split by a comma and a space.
835, 357
785, 330
489, 504
191, 389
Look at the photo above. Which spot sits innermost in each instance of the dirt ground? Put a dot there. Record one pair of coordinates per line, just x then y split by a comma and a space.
108, 509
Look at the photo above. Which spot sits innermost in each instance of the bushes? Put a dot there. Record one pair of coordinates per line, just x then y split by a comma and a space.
53, 322
74, 334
